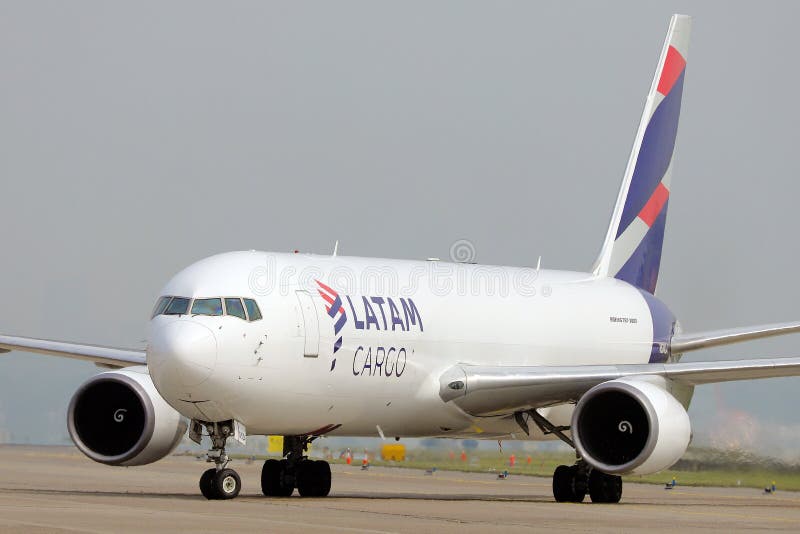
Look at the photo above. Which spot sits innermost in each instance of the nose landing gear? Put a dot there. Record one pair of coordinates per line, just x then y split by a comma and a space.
312, 478
219, 482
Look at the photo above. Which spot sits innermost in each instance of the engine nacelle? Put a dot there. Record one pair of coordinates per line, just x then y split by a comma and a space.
630, 426
118, 418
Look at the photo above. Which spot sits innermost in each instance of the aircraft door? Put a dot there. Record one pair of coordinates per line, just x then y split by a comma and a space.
308, 311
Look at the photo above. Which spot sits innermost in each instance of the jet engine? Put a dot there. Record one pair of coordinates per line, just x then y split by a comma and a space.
630, 426
118, 418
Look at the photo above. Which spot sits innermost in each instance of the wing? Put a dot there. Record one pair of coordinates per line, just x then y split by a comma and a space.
108, 356
480, 390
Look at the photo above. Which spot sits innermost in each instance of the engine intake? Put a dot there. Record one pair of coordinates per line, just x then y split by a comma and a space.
118, 418
630, 426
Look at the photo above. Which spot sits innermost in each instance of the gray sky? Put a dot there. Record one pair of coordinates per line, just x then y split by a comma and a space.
418, 123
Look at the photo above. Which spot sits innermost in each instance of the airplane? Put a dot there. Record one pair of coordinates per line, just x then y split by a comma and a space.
304, 346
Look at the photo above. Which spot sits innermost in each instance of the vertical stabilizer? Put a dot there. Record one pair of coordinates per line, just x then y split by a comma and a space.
632, 248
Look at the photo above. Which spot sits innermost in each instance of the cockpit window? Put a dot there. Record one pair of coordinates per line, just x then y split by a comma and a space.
177, 306
207, 307
233, 306
252, 309
245, 309
161, 305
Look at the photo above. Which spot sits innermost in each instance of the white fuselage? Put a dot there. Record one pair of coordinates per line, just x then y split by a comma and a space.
402, 324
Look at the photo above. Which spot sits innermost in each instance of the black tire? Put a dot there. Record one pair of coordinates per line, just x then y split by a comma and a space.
568, 484
207, 484
580, 484
227, 484
272, 479
562, 484
313, 478
305, 477
605, 488
287, 488
323, 485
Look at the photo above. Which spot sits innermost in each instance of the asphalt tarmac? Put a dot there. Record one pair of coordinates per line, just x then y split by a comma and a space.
56, 489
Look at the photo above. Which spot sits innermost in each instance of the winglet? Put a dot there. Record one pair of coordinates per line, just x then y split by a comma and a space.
632, 247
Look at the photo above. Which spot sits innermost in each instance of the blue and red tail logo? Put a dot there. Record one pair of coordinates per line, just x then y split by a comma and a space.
640, 235
336, 312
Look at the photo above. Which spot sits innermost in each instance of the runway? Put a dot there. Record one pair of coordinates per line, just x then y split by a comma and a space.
45, 489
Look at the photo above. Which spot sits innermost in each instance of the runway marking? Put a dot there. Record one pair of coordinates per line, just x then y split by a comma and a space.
742, 516
324, 527
651, 510
193, 515
428, 518
740, 497
49, 525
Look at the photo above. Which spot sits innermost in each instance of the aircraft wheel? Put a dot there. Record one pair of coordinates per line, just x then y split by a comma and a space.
313, 478
580, 483
568, 484
323, 469
604, 488
207, 484
226, 484
272, 479
562, 484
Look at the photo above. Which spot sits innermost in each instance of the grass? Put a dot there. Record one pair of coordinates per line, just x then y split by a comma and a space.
749, 478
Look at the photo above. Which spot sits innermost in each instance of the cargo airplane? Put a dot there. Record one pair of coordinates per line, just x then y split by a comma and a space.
304, 346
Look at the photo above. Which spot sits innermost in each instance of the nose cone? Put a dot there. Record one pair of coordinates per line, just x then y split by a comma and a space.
181, 353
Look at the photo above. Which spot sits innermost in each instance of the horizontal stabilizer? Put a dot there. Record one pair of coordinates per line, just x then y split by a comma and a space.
703, 340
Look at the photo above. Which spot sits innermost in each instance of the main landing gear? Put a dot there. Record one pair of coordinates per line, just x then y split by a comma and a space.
572, 483
219, 482
312, 478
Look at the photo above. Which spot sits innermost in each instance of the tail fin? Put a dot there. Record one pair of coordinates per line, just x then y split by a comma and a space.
632, 248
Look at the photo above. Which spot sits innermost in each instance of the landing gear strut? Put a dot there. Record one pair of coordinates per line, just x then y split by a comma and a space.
312, 478
219, 482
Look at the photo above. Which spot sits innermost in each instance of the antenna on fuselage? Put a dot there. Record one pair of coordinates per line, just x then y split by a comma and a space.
336, 248
539, 264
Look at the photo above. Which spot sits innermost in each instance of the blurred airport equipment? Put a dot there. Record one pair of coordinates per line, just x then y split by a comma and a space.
275, 445
394, 452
